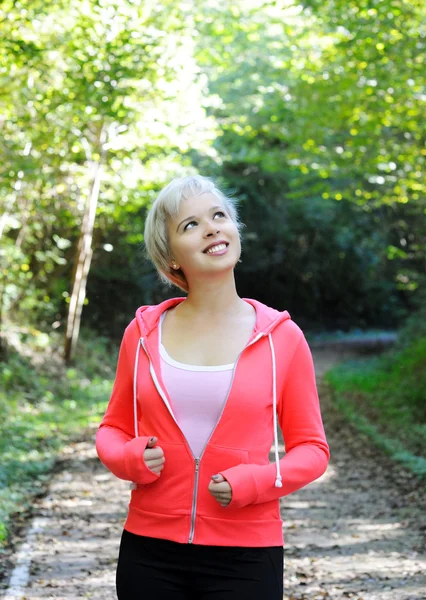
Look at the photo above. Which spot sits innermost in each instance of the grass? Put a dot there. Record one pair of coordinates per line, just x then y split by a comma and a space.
44, 405
385, 397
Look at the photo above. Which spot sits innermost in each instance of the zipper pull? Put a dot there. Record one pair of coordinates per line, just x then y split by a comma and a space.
197, 464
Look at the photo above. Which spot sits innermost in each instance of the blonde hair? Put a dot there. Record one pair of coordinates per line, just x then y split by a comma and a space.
167, 206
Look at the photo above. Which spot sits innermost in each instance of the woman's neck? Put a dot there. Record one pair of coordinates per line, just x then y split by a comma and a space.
213, 301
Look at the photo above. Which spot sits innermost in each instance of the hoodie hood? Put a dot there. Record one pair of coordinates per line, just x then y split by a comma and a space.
267, 318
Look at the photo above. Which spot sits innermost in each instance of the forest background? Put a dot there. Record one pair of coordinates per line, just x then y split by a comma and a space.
310, 114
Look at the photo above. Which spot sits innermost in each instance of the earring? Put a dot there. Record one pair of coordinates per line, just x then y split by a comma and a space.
174, 265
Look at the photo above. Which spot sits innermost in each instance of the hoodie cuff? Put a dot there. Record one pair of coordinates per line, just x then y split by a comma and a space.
134, 463
243, 484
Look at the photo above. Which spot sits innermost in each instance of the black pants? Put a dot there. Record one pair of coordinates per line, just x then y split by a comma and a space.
154, 569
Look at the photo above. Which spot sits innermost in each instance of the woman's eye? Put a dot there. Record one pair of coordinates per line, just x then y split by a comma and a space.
188, 224
219, 212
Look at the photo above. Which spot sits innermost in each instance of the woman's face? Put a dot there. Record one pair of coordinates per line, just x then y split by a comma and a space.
202, 223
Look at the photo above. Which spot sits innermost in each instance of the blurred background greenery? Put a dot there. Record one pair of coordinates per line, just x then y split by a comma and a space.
311, 114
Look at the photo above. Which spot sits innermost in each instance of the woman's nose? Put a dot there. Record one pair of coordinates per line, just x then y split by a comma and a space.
211, 229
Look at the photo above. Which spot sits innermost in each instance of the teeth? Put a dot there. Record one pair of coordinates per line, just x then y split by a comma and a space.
217, 248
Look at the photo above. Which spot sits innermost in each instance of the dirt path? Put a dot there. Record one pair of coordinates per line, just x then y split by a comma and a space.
358, 532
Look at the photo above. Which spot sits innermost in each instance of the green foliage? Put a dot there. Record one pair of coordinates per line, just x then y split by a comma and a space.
385, 397
310, 113
112, 84
317, 115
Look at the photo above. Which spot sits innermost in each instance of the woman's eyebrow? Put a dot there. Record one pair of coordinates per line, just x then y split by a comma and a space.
195, 216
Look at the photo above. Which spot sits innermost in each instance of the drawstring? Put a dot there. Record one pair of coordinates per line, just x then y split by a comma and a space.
133, 485
135, 399
278, 480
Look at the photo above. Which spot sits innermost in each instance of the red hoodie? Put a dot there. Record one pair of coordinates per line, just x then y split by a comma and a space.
273, 375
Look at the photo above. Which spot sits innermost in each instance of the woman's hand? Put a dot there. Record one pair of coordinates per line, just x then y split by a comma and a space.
220, 489
154, 456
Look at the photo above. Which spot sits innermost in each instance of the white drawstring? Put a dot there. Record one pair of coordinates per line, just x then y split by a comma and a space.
278, 480
135, 398
133, 485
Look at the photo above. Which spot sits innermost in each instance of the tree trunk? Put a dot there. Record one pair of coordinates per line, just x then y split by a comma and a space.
83, 259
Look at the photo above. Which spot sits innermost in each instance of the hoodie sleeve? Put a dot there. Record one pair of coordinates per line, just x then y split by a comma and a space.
307, 451
117, 447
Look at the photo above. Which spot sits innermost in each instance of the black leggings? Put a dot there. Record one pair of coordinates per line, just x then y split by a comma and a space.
155, 569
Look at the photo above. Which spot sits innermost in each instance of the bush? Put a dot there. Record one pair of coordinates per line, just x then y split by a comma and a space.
385, 397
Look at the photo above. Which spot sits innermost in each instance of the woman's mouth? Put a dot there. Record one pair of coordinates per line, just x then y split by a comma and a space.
217, 250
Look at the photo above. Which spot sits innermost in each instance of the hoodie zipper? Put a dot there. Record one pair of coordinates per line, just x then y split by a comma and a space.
194, 501
197, 459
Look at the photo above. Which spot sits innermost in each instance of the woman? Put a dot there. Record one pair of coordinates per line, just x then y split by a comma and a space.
200, 382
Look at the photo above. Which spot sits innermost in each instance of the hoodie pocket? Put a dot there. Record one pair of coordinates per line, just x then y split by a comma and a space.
216, 459
171, 493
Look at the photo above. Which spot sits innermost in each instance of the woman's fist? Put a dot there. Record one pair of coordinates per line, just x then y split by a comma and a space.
220, 489
154, 456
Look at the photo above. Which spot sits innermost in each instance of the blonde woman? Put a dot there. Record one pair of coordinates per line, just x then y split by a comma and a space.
202, 383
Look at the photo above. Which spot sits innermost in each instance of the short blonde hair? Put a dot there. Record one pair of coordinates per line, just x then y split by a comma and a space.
167, 206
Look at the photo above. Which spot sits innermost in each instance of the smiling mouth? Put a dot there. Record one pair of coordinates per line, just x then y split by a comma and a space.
217, 248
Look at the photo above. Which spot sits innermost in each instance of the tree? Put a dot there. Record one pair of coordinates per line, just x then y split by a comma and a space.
114, 92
